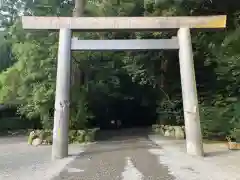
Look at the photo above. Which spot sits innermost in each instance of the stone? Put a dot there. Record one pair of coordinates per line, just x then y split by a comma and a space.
37, 142
170, 128
32, 133
44, 142
161, 131
179, 133
169, 132
31, 136
162, 126
233, 146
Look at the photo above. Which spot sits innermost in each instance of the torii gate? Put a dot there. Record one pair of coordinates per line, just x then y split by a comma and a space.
183, 42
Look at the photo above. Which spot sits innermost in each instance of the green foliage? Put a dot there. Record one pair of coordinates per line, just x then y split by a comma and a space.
5, 52
76, 136
170, 112
30, 81
221, 118
80, 113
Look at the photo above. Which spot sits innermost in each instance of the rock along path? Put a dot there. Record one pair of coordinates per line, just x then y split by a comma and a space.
125, 156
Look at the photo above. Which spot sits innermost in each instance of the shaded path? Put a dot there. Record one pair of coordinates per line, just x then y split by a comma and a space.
123, 156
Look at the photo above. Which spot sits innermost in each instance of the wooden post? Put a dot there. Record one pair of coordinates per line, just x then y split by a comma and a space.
189, 94
61, 114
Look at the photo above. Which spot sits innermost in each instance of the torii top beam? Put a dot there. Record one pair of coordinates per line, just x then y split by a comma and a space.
123, 23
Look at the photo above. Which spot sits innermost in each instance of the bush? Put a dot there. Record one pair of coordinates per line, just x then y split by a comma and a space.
215, 122
76, 136
220, 120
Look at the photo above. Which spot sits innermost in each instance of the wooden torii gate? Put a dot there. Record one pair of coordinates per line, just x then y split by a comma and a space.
182, 42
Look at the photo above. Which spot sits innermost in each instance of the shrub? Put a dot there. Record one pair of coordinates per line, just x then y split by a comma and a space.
216, 122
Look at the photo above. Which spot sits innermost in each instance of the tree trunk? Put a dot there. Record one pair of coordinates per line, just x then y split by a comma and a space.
163, 73
78, 75
79, 8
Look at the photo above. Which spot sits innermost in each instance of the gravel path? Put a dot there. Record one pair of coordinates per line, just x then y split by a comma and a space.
122, 157
218, 164
118, 155
19, 161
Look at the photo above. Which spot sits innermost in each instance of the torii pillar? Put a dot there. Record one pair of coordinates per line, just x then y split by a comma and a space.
62, 96
189, 94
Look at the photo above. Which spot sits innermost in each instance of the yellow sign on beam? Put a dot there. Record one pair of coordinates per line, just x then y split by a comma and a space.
123, 23
219, 22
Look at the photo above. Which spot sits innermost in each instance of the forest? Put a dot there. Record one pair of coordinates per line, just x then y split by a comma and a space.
138, 88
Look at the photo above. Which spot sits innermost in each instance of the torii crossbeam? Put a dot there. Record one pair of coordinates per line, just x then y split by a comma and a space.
183, 42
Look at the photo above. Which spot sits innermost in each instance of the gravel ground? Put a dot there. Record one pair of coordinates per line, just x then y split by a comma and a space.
218, 164
19, 161
126, 155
